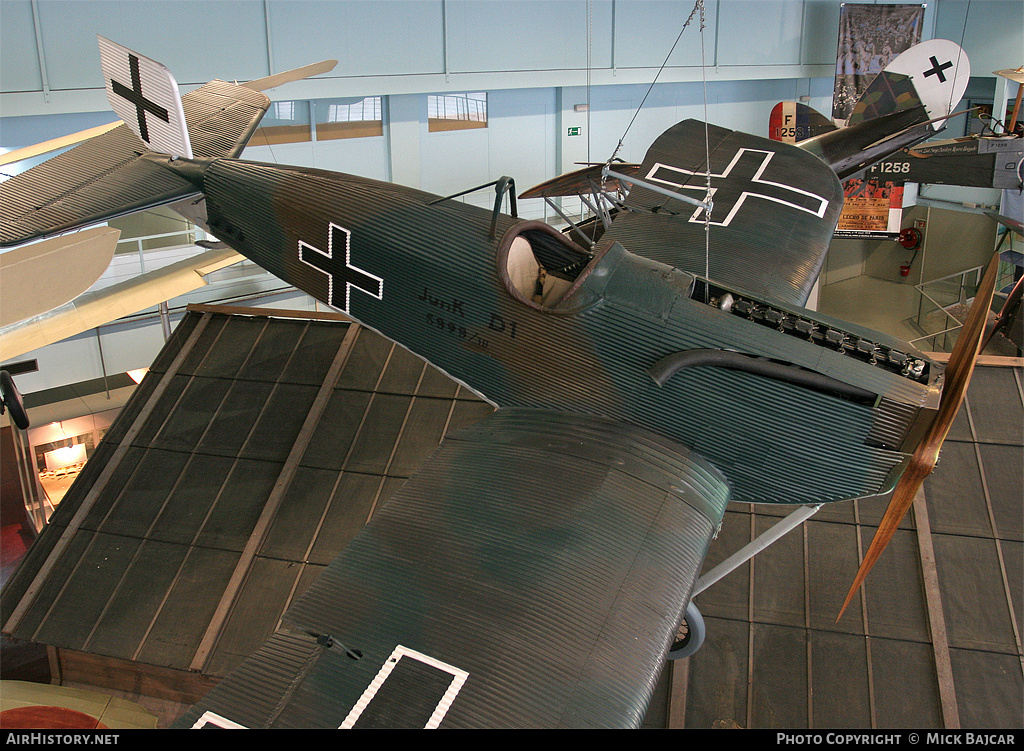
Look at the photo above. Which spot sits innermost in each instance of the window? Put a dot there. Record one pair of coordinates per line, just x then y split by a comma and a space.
285, 122
456, 111
348, 118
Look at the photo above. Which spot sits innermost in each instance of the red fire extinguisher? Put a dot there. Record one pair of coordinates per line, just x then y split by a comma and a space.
910, 239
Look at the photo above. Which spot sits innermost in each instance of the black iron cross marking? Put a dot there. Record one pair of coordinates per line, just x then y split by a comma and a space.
134, 95
937, 69
342, 276
741, 179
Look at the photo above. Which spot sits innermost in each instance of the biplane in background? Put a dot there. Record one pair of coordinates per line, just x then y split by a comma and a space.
535, 571
910, 100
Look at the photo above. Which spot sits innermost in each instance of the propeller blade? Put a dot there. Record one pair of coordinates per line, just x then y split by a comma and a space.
1009, 311
958, 376
55, 143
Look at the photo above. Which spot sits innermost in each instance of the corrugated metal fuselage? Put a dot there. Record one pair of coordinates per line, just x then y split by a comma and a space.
426, 273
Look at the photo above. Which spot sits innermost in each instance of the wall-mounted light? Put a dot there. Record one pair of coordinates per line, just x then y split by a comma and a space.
65, 456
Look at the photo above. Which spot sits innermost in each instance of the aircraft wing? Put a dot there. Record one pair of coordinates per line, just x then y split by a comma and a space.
92, 309
533, 574
37, 278
774, 210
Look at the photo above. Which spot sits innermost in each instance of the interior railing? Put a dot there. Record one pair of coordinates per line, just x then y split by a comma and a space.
943, 304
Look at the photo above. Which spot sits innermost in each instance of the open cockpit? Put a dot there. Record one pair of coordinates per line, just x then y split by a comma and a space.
540, 265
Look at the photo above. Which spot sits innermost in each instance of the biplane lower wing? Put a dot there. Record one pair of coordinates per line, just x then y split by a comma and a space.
774, 210
533, 574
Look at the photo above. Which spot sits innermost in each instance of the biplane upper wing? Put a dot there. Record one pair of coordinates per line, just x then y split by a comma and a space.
533, 574
774, 209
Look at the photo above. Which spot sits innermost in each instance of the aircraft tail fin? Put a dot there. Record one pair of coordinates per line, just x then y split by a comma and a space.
124, 169
908, 102
932, 75
144, 94
792, 122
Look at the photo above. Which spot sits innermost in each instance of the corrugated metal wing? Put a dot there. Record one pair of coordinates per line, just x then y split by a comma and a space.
785, 203
532, 574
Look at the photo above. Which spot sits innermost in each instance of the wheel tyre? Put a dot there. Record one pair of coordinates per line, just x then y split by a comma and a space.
695, 634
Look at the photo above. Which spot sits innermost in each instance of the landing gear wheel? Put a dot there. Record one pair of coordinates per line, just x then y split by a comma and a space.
10, 399
690, 636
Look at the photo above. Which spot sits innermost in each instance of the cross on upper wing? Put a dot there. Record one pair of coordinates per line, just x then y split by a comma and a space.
785, 203
742, 178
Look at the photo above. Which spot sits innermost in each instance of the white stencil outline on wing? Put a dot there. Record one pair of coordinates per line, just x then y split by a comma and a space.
458, 678
757, 179
215, 719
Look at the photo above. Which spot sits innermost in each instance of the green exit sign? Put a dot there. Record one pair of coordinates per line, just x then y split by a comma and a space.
576, 131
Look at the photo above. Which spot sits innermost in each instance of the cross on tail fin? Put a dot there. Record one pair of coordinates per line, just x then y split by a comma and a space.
144, 94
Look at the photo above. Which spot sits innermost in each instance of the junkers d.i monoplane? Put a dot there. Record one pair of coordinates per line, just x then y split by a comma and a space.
535, 571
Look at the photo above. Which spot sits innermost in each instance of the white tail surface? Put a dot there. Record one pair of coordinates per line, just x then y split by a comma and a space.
940, 72
144, 94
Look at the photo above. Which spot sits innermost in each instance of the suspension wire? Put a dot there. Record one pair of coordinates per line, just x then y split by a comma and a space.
590, 65
707, 162
963, 33
697, 11
698, 6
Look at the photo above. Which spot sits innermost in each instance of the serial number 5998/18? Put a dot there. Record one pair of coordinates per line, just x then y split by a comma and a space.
444, 324
457, 330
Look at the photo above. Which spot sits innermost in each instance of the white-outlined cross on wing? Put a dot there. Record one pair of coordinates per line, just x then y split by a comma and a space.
344, 272
780, 193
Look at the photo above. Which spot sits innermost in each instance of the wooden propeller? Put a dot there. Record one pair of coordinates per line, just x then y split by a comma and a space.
1009, 311
958, 376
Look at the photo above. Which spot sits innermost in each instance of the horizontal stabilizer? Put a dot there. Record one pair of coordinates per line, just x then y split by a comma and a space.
115, 174
63, 142
40, 277
260, 84
297, 74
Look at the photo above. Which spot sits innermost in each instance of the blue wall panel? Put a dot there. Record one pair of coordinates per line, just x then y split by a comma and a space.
398, 37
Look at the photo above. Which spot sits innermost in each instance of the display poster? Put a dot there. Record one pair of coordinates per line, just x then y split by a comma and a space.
870, 37
872, 209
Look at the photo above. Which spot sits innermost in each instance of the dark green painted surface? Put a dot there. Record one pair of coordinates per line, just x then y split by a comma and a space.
443, 297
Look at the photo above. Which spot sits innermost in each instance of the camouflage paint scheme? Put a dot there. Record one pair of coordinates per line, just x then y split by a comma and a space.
546, 555
444, 297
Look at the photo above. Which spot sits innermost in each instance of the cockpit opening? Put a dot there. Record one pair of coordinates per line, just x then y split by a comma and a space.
539, 265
